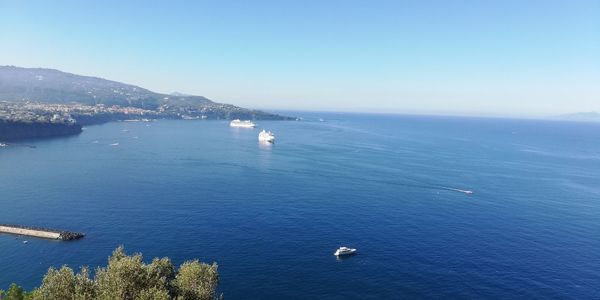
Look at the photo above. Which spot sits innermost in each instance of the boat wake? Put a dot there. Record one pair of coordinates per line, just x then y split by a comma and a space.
433, 186
468, 192
416, 183
427, 186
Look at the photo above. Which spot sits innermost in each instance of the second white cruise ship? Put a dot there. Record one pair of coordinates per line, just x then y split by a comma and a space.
266, 136
239, 123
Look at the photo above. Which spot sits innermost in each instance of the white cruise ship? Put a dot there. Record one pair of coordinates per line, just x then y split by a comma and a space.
266, 136
244, 124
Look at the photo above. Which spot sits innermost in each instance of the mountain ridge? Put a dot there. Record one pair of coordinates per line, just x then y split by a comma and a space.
52, 86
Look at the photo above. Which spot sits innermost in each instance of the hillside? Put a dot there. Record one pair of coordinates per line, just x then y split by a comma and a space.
51, 86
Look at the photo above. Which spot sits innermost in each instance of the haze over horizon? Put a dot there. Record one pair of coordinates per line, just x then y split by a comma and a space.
510, 58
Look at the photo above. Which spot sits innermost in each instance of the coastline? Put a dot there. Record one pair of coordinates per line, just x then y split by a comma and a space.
11, 131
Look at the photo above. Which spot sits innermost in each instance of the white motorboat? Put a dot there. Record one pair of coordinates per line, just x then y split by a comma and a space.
344, 251
266, 136
243, 124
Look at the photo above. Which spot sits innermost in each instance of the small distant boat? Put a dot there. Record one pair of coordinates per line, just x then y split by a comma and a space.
243, 124
25, 242
266, 136
114, 144
3, 145
468, 192
344, 251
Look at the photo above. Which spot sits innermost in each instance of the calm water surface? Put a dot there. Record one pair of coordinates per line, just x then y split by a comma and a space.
272, 215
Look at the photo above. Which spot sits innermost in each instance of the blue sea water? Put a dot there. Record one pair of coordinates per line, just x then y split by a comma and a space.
272, 215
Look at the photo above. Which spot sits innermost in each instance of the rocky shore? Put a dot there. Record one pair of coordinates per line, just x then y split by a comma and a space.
20, 130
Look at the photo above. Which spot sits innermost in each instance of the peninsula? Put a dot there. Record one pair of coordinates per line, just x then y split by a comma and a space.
37, 102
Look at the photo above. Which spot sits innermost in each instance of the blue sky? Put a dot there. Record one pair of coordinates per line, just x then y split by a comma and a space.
505, 58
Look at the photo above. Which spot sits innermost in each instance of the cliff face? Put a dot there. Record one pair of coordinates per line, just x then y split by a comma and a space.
15, 130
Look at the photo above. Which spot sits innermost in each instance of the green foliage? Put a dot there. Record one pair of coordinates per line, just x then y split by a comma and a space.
14, 292
85, 288
65, 284
126, 277
161, 273
196, 280
123, 278
57, 284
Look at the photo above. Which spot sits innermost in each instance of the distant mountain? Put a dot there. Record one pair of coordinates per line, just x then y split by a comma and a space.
57, 87
580, 116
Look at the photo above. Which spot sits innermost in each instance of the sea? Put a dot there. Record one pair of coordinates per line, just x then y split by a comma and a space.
395, 187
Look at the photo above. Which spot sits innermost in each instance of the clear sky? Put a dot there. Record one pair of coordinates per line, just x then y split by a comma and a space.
508, 58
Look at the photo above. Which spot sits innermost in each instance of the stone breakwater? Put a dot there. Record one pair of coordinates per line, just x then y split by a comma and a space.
40, 232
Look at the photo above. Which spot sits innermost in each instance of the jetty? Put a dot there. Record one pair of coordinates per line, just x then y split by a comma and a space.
44, 233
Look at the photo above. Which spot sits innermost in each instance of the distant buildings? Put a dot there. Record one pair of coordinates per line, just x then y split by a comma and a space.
61, 113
